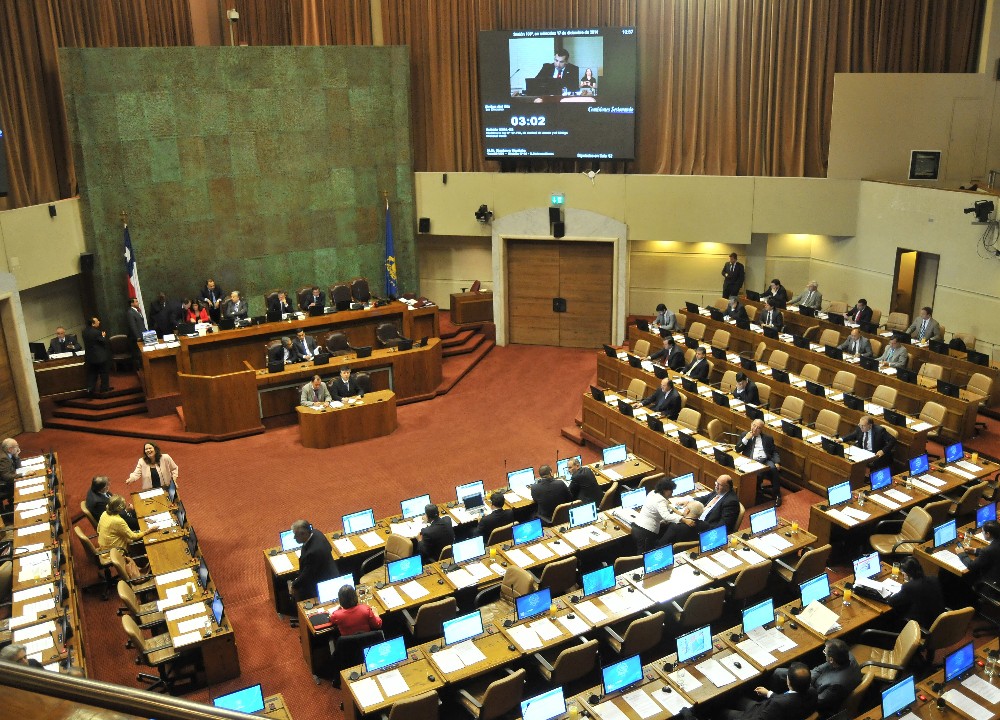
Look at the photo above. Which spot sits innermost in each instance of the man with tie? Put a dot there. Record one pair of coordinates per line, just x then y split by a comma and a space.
733, 275
345, 386
315, 393
665, 319
874, 438
860, 313
895, 355
283, 352
777, 293
62, 342
925, 327
736, 311
771, 317
304, 346
235, 307
746, 390
665, 399
698, 368
316, 300
280, 304
670, 355
10, 461
97, 356
759, 446
211, 298
797, 703
136, 327
722, 507
561, 69
810, 297
856, 344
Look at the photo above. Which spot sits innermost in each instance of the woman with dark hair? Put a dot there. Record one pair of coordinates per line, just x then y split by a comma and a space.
351, 617
196, 313
654, 513
919, 599
588, 83
155, 468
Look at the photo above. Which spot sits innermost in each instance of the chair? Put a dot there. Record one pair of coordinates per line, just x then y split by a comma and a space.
965, 507
364, 381
139, 585
758, 354
424, 706
271, 295
6, 587
938, 510
689, 418
811, 333
627, 563
751, 312
778, 360
947, 629
360, 290
700, 608
559, 576
397, 547
934, 414
850, 707
609, 500
838, 307
641, 634
502, 534
560, 514
681, 320
721, 304
885, 396
571, 663
876, 315
649, 482
98, 559
876, 346
914, 530
739, 519
980, 384
811, 564
340, 295
336, 343
829, 337
87, 514
931, 371
636, 389
897, 321
809, 372
156, 652
968, 338
426, 624
145, 614
486, 699
516, 582
721, 339
749, 582
697, 331
641, 348
121, 350
388, 334
889, 664
714, 430
844, 381
728, 383
792, 408
302, 296
764, 393
828, 422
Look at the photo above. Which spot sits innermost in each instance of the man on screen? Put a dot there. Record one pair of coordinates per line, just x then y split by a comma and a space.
561, 69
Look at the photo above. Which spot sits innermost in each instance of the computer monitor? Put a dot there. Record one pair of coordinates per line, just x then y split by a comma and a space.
662, 558
881, 478
947, 388
414, 507
218, 610
791, 429
610, 352
249, 700
945, 533
868, 363
894, 418
683, 484
192, 542
722, 456
599, 580
780, 375
520, 480
771, 332
720, 398
404, 568
689, 385
381, 655
625, 408
327, 590
695, 643
977, 358
692, 307
764, 521
919, 465
203, 576
38, 351
867, 566
633, 360
800, 342
359, 521
854, 402
172, 492
815, 389
527, 532
954, 452
633, 499
470, 489
898, 697
758, 615
615, 454
181, 514
839, 494
467, 550
748, 364
533, 604
985, 514
596, 392
462, 628
959, 662
712, 539
582, 515
817, 588
562, 466
621, 674
288, 541
687, 440
550, 704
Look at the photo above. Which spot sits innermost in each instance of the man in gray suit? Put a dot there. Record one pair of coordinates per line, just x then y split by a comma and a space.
895, 355
856, 344
833, 681
315, 393
810, 297
925, 327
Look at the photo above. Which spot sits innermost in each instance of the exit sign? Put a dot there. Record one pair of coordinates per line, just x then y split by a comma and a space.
558, 198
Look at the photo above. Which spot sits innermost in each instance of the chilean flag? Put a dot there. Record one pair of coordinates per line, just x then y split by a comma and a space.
132, 274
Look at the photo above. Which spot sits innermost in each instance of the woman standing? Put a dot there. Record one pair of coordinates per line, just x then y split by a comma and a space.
155, 468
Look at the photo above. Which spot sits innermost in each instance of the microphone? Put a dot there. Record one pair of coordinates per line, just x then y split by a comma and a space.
735, 435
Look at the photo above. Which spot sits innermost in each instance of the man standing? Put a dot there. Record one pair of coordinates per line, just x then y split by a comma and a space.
759, 446
665, 400
316, 562
304, 346
733, 275
345, 386
136, 327
894, 355
856, 344
436, 535
582, 483
561, 69
63, 343
548, 492
315, 393
925, 327
874, 438
97, 356
811, 297
211, 298
833, 681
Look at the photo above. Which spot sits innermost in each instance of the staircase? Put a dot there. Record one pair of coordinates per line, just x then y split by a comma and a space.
462, 347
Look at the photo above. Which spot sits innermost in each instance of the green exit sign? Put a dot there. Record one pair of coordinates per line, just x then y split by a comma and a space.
558, 198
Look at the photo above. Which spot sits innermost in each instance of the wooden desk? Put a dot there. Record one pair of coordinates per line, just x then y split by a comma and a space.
56, 377
668, 669
370, 417
933, 686
169, 555
679, 581
494, 645
851, 617
471, 307
275, 708
430, 580
416, 672
214, 644
805, 642
653, 686
550, 618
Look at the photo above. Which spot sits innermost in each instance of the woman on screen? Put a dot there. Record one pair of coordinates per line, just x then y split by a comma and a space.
588, 83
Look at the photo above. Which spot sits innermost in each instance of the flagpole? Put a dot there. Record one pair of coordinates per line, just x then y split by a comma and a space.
131, 267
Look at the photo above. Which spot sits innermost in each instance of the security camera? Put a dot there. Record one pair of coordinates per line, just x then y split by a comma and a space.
483, 214
983, 209
233, 15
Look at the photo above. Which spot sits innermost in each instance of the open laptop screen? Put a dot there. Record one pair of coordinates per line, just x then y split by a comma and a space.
527, 532
764, 521
954, 452
520, 480
986, 513
659, 559
817, 588
958, 662
217, 608
462, 628
582, 515
621, 674
359, 521
633, 499
898, 697
414, 507
880, 478
288, 541
383, 654
470, 489
328, 589
867, 566
694, 644
945, 533
248, 700
712, 539
918, 465
758, 615
404, 568
562, 466
548, 705
468, 549
683, 484
839, 494
533, 604
615, 454
599, 580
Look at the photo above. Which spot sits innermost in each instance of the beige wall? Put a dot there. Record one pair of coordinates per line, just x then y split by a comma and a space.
447, 264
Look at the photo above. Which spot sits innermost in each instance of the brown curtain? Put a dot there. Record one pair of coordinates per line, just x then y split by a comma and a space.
303, 22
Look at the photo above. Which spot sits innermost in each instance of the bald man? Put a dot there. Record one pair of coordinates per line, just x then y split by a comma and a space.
759, 446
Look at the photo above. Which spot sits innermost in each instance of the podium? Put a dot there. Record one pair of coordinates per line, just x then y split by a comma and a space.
374, 416
224, 406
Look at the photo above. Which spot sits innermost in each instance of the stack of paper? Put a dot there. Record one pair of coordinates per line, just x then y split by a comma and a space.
748, 556
855, 513
842, 517
707, 565
414, 590
771, 544
642, 703
607, 710
966, 705
366, 692
738, 666
971, 467
175, 576
716, 672
372, 539
726, 559
959, 471
949, 558
771, 640
150, 494
820, 618
519, 557
897, 495
458, 656
574, 625
674, 702
407, 528
590, 611
526, 638
344, 545
33, 530
392, 683
684, 680
175, 614
35, 631
390, 597
280, 563
756, 653
989, 693
884, 502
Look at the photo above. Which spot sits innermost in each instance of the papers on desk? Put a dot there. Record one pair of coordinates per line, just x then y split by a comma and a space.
150, 494
642, 703
674, 702
281, 563
28, 514
372, 539
881, 587
33, 529
842, 517
185, 639
35, 547
546, 629
744, 672
756, 653
745, 464
390, 597
414, 590
194, 625
456, 657
884, 502
583, 536
971, 467
682, 580
526, 638
35, 567
950, 559
175, 576
161, 521
35, 648
888, 371
367, 692
463, 516
31, 611
856, 454
932, 480
392, 683
461, 578
920, 426
611, 474
408, 529
898, 496
180, 613
591, 612
708, 566
770, 545
607, 710
574, 626
921, 485
30, 486
684, 680
29, 593
175, 596
748, 556
873, 409
344, 545
541, 551
33, 505
623, 602
726, 559
820, 618
967, 705
519, 557
772, 640
35, 631
983, 689
954, 470
561, 548
716, 672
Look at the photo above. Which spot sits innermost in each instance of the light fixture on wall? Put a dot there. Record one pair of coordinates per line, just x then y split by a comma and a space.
483, 214
983, 209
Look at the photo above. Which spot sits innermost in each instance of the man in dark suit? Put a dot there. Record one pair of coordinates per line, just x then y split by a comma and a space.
235, 307
582, 483
722, 507
280, 304
548, 492
304, 346
687, 528
664, 399
437, 534
316, 562
136, 327
869, 436
345, 386
856, 344
212, 298
759, 446
746, 390
561, 69
770, 316
698, 368
97, 356
736, 311
282, 352
317, 299
62, 342
497, 518
776, 292
10, 461
669, 355
733, 275
860, 313
833, 681
797, 703
97, 500
984, 563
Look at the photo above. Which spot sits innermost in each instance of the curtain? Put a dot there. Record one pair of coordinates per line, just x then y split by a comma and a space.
303, 22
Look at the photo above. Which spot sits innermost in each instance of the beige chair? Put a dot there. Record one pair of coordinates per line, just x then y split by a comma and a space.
681, 320
87, 514
764, 393
697, 331
915, 529
156, 652
145, 614
749, 582
700, 608
397, 547
792, 407
778, 360
844, 381
728, 383
714, 430
853, 701
139, 585
938, 510
98, 559
876, 346
838, 307
949, 628
627, 563
426, 624
828, 422
829, 337
559, 576
689, 418
897, 321
610, 500
641, 634
933, 413
502, 534
811, 564
561, 667
516, 582
876, 315
424, 706
885, 396
649, 482
636, 389
964, 508
641, 348
980, 384
489, 697
751, 312
887, 665
931, 371
809, 372
721, 339
758, 354
721, 304
968, 338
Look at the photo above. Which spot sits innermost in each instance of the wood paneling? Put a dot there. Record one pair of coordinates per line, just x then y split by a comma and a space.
532, 282
10, 415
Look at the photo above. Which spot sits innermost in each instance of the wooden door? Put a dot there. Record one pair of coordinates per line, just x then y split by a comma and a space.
10, 414
532, 282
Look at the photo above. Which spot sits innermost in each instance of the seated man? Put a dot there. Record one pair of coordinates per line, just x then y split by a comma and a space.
925, 327
436, 535
97, 500
345, 386
746, 390
698, 368
665, 319
984, 563
722, 507
316, 300
810, 297
736, 311
687, 528
63, 343
582, 483
832, 681
770, 316
305, 347
670, 355
282, 352
758, 445
872, 437
498, 517
798, 703
236, 307
860, 313
664, 399
856, 344
776, 292
548, 492
315, 393
894, 355
280, 304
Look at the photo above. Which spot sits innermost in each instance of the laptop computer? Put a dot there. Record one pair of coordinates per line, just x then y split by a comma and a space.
815, 589
642, 324
919, 465
598, 581
986, 513
358, 522
582, 515
720, 398
683, 484
954, 452
533, 604
384, 654
468, 550
694, 644
249, 700
906, 375
815, 389
868, 363
692, 307
610, 351
723, 458
665, 333
691, 342
938, 346
780, 375
716, 314
867, 566
621, 675
834, 352
404, 569
759, 615
660, 372
764, 521
977, 358
835, 318
218, 609
655, 424
327, 590
868, 327
881, 478
520, 481
718, 353
854, 402
275, 366
414, 506
633, 499
462, 628
550, 704
902, 337
807, 311
227, 323
272, 315
800, 342
38, 351
527, 532
791, 429
654, 561
898, 698
753, 295
689, 384
771, 332
185, 328
945, 533
625, 408
838, 494
947, 388
687, 440
471, 489
832, 447
894, 418
597, 393
615, 454
753, 412
743, 323
562, 466
959, 662
748, 364
633, 360
288, 541
712, 539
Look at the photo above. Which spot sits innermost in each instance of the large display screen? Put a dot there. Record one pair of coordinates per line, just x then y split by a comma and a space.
562, 93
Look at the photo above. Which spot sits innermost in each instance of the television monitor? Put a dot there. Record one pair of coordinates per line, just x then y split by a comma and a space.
532, 604
384, 654
550, 704
662, 558
695, 643
625, 408
288, 541
172, 492
954, 452
720, 398
467, 550
815, 389
404, 568
906, 375
986, 513
833, 447
633, 499
918, 465
462, 628
959, 662
562, 466
615, 454
898, 697
683, 484
817, 588
582, 515
854, 402
597, 393
839, 494
327, 590
712, 539
621, 674
947, 388
791, 429
758, 615
764, 521
192, 542
38, 351
692, 307
527, 532
881, 478
867, 566
249, 700
521, 480
469, 490
977, 358
518, 67
687, 440
203, 576
218, 610
945, 533
599, 580
359, 521
414, 507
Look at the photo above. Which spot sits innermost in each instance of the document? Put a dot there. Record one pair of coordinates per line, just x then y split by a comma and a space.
447, 660
576, 626
392, 683
526, 638
707, 565
897, 495
180, 613
390, 597
949, 558
579, 537
546, 629
884, 502
150, 494
372, 539
623, 602
194, 624
469, 653
29, 593
643, 705
955, 470
724, 558
280, 563
967, 705
920, 485
519, 558
684, 680
771, 640
540, 551
366, 692
23, 635
842, 517
36, 647
819, 617
971, 467
561, 548
920, 426
611, 474
461, 578
478, 570
414, 589
715, 672
933, 480
756, 653
989, 693
591, 612
607, 710
32, 504
344, 545
744, 672
33, 529
175, 576
672, 701
855, 513
512, 497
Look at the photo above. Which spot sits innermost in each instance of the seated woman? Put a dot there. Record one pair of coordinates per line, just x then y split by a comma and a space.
113, 530
196, 313
351, 617
689, 527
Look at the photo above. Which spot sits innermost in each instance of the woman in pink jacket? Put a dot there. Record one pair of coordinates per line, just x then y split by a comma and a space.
154, 468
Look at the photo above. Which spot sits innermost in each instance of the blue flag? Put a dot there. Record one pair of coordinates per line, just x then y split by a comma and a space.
391, 286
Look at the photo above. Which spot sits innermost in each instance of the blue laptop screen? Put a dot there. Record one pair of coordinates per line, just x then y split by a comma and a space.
328, 589
462, 628
468, 549
633, 499
582, 515
615, 454
683, 484
867, 566
818, 588
958, 662
694, 643
839, 494
414, 507
405, 568
248, 700
288, 541
384, 654
622, 674
562, 466
945, 533
470, 489
881, 478
359, 521
527, 532
986, 513
533, 604
758, 616
918, 465
898, 697
217, 609
764, 521
521, 480
599, 580
954, 453
658, 559
712, 539
546, 706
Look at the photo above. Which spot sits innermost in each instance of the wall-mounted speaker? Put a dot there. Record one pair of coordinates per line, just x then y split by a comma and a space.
424, 225
86, 262
558, 229
555, 215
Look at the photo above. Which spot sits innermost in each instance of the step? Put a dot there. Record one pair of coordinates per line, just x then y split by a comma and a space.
103, 402
455, 369
573, 434
96, 415
458, 338
468, 346
131, 429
